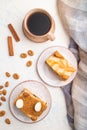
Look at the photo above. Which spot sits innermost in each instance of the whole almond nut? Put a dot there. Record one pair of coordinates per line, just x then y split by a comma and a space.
4, 92
3, 98
7, 74
16, 76
7, 121
23, 55
1, 87
29, 63
2, 113
30, 53
6, 84
0, 92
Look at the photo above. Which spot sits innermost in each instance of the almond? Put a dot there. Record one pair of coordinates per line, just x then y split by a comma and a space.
19, 103
7, 74
23, 55
38, 106
30, 53
6, 84
16, 76
2, 113
3, 98
7, 121
29, 63
4, 92
1, 86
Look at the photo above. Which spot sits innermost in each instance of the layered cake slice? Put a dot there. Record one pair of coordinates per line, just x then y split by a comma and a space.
60, 65
31, 105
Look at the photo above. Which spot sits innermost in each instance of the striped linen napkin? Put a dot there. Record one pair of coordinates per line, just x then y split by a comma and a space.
68, 88
73, 14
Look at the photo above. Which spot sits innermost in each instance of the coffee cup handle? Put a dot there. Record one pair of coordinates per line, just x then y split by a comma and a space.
51, 36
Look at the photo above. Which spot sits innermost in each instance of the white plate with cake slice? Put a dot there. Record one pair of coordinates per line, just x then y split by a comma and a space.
48, 75
25, 105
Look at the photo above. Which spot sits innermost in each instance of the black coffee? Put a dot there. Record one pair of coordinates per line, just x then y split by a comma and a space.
39, 23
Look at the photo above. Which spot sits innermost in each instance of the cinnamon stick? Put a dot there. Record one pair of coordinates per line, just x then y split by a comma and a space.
10, 46
14, 33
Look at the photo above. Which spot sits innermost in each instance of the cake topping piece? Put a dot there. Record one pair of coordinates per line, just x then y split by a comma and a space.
38, 106
25, 94
19, 103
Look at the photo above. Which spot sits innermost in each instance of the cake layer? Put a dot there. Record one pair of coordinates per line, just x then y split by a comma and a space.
60, 65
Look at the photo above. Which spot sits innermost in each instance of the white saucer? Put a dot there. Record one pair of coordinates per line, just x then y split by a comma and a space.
36, 88
45, 72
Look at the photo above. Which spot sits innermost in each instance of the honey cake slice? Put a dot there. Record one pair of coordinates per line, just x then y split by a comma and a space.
60, 65
31, 105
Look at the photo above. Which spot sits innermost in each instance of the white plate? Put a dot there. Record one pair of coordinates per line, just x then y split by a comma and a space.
38, 89
46, 73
